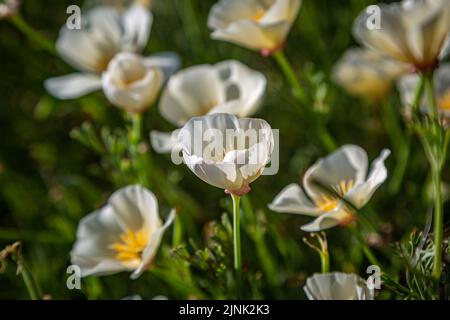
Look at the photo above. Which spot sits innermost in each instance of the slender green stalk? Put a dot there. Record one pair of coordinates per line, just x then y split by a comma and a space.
237, 245
236, 234
290, 75
321, 248
438, 223
324, 135
436, 160
325, 262
32, 34
135, 140
30, 283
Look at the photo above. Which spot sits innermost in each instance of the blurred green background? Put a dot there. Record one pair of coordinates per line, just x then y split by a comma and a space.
48, 181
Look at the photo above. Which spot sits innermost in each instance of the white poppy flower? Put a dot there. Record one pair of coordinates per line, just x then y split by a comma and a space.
225, 151
367, 74
337, 286
105, 33
226, 87
129, 84
408, 85
331, 182
254, 24
412, 31
124, 235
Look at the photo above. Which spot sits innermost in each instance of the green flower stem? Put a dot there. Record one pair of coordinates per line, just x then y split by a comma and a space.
237, 245
135, 140
236, 234
438, 223
32, 34
30, 282
436, 158
325, 262
290, 75
324, 135
256, 231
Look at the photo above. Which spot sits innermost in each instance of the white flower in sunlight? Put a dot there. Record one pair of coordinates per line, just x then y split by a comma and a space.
412, 31
226, 87
124, 235
225, 151
331, 184
337, 286
106, 32
408, 85
254, 24
129, 84
367, 74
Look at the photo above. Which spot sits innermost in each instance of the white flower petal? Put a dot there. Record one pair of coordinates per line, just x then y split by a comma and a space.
282, 10
137, 23
132, 209
129, 85
91, 47
292, 199
362, 193
366, 73
348, 163
73, 85
337, 286
248, 33
150, 251
164, 142
167, 62
327, 220
212, 150
191, 92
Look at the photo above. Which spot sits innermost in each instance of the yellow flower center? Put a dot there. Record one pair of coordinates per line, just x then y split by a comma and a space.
327, 202
131, 246
444, 101
259, 14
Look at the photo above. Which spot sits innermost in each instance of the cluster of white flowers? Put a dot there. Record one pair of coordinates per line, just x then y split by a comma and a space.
107, 51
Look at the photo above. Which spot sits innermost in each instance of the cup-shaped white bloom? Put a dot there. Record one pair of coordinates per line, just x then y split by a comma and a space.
367, 74
254, 24
225, 151
408, 85
129, 84
106, 31
330, 185
411, 31
124, 235
226, 87
337, 286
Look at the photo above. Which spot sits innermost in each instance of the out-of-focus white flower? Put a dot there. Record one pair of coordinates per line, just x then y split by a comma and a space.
225, 151
365, 73
412, 31
408, 85
122, 4
124, 235
329, 184
226, 87
254, 24
129, 84
337, 286
105, 32
9, 8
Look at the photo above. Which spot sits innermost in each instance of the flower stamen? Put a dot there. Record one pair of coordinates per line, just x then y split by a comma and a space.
130, 248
